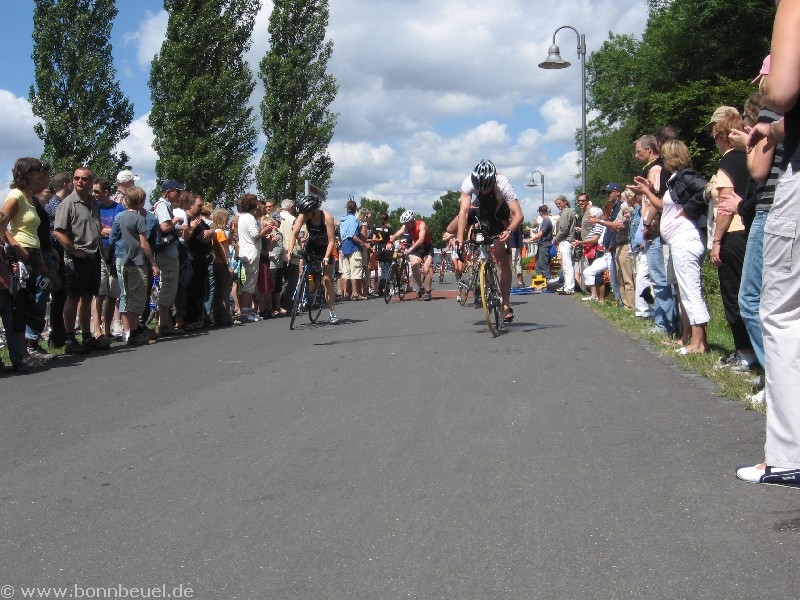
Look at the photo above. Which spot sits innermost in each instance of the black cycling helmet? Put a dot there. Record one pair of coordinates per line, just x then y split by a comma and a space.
484, 176
308, 203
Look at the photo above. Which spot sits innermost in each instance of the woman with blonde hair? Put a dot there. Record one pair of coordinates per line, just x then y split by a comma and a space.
686, 247
223, 273
30, 176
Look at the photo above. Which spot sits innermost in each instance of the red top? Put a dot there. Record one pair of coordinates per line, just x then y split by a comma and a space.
413, 231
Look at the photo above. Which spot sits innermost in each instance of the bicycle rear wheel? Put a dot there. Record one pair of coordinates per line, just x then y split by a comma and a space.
316, 294
465, 283
299, 297
492, 301
390, 286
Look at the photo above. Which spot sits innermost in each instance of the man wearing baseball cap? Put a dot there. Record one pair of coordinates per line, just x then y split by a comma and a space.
166, 247
125, 180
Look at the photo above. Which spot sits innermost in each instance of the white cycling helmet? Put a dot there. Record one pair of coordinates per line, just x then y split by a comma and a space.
406, 216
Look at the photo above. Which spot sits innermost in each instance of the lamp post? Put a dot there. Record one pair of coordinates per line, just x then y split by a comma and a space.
554, 61
532, 182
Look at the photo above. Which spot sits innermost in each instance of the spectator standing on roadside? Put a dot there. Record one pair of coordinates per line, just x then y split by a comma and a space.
290, 270
138, 255
77, 228
780, 293
105, 303
125, 180
351, 254
727, 237
612, 221
19, 210
581, 233
665, 308
544, 237
62, 187
564, 236
166, 252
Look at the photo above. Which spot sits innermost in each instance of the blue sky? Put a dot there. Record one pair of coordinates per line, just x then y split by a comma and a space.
427, 88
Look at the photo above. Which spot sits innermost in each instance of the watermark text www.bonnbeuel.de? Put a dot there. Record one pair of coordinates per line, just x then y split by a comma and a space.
77, 592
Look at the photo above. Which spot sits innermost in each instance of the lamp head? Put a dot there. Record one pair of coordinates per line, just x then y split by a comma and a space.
554, 60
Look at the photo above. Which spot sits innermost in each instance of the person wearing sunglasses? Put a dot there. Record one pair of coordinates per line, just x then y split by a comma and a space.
77, 228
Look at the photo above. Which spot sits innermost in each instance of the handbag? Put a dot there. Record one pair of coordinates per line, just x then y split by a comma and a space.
590, 251
553, 251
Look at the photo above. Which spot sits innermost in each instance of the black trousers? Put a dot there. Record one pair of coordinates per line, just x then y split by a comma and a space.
730, 278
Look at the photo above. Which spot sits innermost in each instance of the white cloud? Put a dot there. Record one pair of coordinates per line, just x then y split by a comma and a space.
16, 133
148, 37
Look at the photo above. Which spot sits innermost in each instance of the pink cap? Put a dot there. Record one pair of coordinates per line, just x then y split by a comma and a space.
764, 69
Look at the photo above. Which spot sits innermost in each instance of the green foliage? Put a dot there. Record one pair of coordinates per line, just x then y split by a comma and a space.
445, 210
295, 114
693, 57
200, 86
84, 114
375, 207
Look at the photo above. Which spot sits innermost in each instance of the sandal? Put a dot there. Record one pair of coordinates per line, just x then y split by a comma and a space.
508, 315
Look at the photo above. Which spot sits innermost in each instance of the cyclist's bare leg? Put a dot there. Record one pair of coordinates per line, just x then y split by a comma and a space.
327, 283
427, 265
416, 263
504, 270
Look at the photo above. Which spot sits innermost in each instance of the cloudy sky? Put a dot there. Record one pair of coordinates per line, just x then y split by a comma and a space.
426, 89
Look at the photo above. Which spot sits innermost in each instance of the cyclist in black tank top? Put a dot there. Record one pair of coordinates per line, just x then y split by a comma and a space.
319, 242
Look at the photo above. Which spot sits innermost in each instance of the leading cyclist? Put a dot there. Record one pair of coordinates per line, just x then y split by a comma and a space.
498, 209
420, 251
319, 242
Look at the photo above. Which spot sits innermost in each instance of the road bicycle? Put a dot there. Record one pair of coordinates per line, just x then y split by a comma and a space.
309, 294
443, 265
483, 270
469, 273
396, 278
150, 313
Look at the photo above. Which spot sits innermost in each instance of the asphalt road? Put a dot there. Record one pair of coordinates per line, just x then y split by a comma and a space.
404, 453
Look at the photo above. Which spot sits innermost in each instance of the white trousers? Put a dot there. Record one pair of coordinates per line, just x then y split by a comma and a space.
686, 253
780, 321
642, 308
567, 269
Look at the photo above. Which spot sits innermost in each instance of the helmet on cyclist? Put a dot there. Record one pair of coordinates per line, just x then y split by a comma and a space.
406, 216
484, 176
308, 203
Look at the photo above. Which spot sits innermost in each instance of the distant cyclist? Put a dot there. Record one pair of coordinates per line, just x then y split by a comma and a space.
319, 242
420, 251
497, 208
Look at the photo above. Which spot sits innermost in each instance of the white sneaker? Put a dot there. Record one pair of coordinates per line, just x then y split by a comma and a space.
334, 320
756, 399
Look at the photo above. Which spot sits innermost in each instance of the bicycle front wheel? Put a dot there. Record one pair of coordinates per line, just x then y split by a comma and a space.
299, 297
466, 283
316, 295
492, 300
390, 286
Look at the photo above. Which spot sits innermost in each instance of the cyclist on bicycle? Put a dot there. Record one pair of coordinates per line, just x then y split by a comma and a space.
319, 242
420, 251
497, 208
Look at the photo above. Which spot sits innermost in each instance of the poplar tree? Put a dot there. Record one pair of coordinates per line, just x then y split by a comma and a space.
83, 112
200, 85
296, 119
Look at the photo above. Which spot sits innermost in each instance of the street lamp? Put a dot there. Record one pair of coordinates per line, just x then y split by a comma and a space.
554, 61
532, 182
